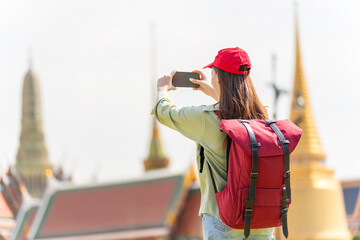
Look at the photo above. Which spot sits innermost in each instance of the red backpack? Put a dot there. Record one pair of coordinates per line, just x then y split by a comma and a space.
257, 194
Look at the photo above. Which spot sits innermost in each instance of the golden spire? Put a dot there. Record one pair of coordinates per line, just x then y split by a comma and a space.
156, 158
309, 148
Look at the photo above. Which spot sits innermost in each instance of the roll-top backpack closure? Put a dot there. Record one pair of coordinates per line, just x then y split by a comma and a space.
264, 134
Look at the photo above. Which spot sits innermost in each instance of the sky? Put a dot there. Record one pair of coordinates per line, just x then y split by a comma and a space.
92, 59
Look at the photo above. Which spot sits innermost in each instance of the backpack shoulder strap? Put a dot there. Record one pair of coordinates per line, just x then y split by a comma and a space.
202, 158
202, 161
286, 190
228, 145
253, 177
201, 153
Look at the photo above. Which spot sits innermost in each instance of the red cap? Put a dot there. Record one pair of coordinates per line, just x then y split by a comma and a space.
230, 60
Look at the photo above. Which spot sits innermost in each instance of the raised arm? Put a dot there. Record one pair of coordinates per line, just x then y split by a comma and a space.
189, 121
206, 86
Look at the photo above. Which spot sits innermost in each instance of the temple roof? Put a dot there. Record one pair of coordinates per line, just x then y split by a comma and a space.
7, 222
9, 195
25, 217
309, 147
143, 208
7, 208
188, 225
15, 185
5, 211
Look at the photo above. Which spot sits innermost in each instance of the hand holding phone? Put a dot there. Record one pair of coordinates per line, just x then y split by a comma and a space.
206, 86
181, 79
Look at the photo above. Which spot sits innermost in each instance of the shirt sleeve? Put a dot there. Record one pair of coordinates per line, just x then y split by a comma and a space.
189, 121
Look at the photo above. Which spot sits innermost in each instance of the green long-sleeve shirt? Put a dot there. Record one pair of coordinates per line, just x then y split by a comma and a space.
201, 124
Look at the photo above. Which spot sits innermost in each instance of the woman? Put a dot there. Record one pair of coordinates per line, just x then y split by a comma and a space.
232, 88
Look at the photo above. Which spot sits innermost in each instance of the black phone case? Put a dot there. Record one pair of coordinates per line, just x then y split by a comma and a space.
181, 79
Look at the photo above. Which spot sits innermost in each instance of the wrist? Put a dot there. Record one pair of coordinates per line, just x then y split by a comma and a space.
163, 89
214, 95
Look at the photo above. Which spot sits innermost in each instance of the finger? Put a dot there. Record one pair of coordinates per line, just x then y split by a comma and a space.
202, 75
196, 81
199, 82
193, 80
173, 72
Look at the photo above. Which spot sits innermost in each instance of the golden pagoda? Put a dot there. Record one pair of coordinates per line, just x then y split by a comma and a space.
317, 209
32, 161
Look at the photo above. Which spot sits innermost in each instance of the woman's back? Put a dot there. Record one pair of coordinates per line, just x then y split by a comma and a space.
232, 87
201, 124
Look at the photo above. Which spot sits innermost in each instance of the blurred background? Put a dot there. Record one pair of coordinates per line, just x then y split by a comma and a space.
97, 63
92, 60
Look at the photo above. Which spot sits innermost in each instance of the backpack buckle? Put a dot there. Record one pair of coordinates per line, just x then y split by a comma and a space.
257, 144
282, 142
268, 122
248, 212
283, 211
254, 175
243, 121
287, 175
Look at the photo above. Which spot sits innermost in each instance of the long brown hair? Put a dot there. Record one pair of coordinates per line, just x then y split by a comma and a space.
238, 98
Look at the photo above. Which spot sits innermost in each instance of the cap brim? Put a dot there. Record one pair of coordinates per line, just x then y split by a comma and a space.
210, 65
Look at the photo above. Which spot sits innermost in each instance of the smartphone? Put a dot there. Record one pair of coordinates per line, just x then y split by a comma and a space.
181, 79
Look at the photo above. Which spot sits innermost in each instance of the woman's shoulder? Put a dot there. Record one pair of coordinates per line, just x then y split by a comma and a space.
201, 108
205, 108
211, 108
